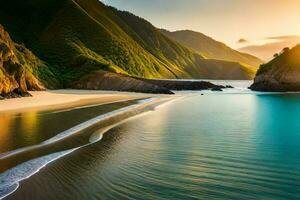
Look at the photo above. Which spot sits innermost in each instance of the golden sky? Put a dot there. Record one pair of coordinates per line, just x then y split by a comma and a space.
224, 20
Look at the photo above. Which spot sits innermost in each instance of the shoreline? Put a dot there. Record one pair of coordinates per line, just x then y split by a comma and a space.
14, 176
63, 99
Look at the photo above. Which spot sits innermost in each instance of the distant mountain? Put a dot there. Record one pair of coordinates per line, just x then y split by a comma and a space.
280, 74
78, 39
20, 69
211, 48
275, 44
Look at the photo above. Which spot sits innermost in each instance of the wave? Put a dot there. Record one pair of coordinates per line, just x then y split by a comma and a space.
95, 120
10, 179
81, 127
85, 106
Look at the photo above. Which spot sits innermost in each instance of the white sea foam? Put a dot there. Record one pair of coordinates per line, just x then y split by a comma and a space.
95, 120
9, 180
86, 106
97, 136
78, 128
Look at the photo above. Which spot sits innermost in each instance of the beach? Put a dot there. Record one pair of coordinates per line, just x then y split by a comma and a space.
192, 147
58, 99
102, 145
53, 124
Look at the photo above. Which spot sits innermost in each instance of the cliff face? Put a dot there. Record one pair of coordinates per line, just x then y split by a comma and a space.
16, 74
280, 74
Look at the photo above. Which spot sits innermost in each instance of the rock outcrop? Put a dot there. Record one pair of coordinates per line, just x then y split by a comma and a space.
184, 84
102, 80
16, 73
282, 74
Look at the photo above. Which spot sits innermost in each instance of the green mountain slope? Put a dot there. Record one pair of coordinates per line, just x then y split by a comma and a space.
80, 37
211, 48
280, 74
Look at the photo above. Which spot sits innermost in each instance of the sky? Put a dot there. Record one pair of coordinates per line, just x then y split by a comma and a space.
228, 21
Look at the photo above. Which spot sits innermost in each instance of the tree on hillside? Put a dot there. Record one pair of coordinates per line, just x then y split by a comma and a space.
286, 49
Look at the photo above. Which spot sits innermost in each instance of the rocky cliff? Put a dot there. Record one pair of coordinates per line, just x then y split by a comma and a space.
281, 74
16, 68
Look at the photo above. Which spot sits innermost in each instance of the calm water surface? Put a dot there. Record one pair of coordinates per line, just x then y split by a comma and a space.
234, 145
31, 127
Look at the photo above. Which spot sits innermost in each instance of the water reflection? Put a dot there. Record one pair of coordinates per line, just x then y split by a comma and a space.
32, 127
5, 127
204, 147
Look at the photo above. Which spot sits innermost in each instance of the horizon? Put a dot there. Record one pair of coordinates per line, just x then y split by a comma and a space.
231, 16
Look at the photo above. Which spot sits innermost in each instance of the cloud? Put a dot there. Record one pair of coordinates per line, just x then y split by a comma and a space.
242, 41
274, 45
285, 38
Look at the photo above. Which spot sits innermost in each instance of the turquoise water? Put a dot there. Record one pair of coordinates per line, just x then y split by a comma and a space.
231, 145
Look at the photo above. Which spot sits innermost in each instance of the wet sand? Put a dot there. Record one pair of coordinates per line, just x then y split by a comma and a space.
59, 99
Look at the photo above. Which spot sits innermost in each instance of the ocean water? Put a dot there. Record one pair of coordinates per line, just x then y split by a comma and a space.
21, 129
232, 145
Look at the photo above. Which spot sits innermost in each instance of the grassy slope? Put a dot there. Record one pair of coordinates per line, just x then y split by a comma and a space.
77, 42
175, 56
77, 37
280, 74
289, 59
211, 48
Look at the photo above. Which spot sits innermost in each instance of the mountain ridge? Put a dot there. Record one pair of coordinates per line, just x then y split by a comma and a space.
79, 38
210, 48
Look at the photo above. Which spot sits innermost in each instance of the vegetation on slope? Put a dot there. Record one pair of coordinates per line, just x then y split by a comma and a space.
20, 69
180, 57
286, 57
80, 37
280, 74
210, 48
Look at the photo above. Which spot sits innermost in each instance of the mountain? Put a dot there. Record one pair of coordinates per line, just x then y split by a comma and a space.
20, 69
272, 46
77, 38
280, 74
212, 49
177, 55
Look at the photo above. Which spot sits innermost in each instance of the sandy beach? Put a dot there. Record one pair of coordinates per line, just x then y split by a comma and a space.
56, 99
